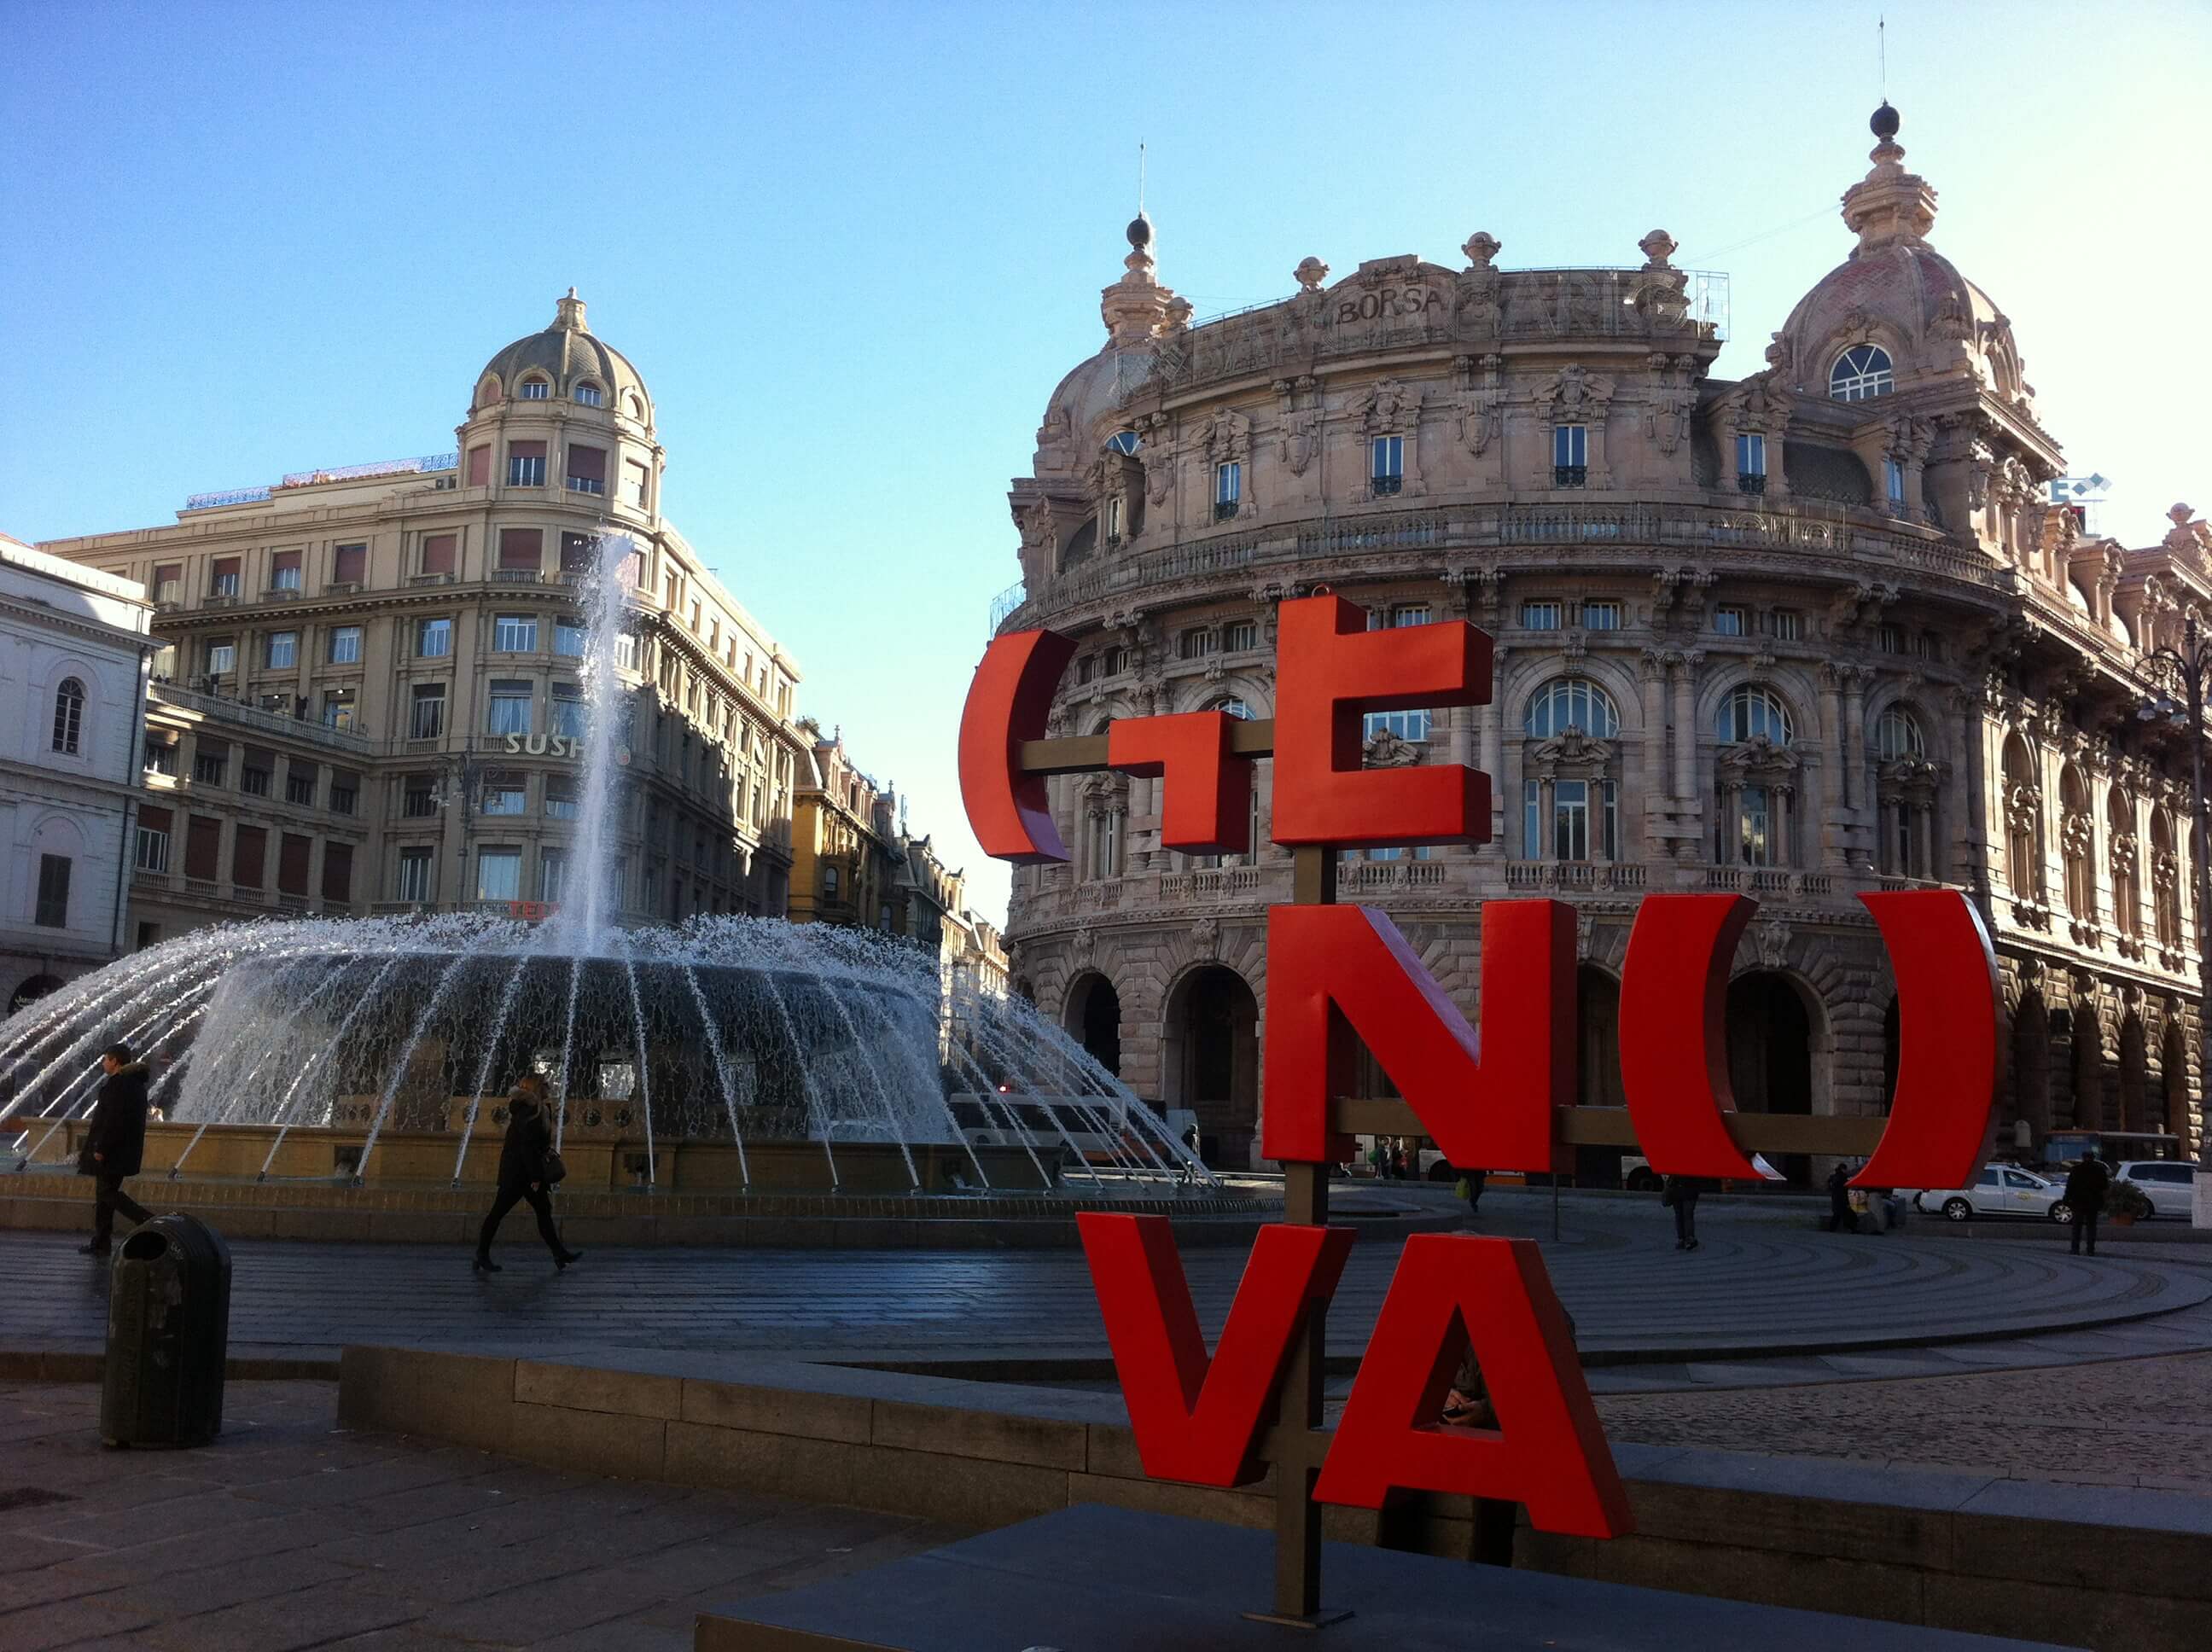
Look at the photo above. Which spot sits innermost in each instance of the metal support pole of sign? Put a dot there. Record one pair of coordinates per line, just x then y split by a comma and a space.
1297, 1424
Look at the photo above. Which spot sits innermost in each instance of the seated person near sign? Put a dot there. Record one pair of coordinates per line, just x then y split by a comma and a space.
1468, 1405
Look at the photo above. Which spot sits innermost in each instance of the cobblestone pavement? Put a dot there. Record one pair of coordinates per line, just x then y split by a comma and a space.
2127, 1422
1767, 1282
289, 1534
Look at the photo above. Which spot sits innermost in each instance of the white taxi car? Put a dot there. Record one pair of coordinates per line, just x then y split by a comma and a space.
2000, 1190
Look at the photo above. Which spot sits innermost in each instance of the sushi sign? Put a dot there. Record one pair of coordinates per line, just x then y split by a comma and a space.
1342, 975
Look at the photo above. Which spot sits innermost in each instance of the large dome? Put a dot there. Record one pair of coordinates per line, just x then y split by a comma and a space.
568, 354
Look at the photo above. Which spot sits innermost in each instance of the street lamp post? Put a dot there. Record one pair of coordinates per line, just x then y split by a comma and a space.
2191, 663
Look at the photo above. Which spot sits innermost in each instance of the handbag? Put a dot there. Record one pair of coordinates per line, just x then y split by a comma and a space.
555, 1171
1462, 1188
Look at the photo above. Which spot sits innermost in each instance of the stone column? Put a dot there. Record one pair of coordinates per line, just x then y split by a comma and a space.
1684, 667
1852, 788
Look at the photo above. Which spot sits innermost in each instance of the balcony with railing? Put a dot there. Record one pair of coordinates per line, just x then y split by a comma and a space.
276, 723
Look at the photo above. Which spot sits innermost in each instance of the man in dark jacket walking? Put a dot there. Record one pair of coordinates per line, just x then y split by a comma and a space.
115, 1145
1839, 1200
2085, 1197
522, 1158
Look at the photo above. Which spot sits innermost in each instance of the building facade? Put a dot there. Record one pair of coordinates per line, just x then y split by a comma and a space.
73, 669
847, 848
1815, 632
368, 683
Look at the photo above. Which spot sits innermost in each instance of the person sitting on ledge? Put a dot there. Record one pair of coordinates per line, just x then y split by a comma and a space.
115, 1145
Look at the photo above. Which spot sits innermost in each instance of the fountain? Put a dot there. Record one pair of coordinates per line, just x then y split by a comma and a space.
724, 1055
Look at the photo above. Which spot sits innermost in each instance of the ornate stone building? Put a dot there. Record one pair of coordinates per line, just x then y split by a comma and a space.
1812, 633
367, 684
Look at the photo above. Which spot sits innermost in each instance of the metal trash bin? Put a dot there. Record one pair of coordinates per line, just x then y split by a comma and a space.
168, 1332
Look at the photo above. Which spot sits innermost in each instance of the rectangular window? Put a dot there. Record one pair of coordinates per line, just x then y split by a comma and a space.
521, 549
433, 639
479, 467
337, 873
567, 711
503, 794
1086, 668
695, 617
1540, 616
1571, 820
283, 650
221, 659
510, 708
1409, 725
633, 483
568, 638
560, 798
419, 800
1241, 636
293, 854
1570, 455
1600, 616
578, 554
536, 390
349, 565
169, 582
208, 764
153, 840
626, 650
1228, 489
515, 634
413, 874
499, 875
223, 577
587, 470
1892, 477
202, 848
161, 755
345, 645
525, 465
1756, 843
338, 708
345, 794
1785, 625
552, 871
1751, 463
257, 774
284, 571
1386, 465
1198, 643
53, 892
249, 857
438, 552
300, 785
1728, 621
427, 718
1891, 639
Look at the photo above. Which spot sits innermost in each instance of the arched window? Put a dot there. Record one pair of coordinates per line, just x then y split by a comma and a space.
2023, 817
1233, 708
2166, 880
2127, 886
1568, 702
69, 715
1905, 796
2077, 844
1861, 373
1897, 734
587, 395
1753, 711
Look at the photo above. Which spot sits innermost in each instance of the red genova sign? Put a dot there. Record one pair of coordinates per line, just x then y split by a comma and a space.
1341, 973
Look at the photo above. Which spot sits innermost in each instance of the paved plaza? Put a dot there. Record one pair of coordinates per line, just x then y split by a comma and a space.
290, 1532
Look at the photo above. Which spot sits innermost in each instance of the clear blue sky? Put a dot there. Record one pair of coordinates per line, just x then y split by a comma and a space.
852, 248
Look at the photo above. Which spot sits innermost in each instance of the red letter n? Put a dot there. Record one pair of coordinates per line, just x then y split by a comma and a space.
1337, 971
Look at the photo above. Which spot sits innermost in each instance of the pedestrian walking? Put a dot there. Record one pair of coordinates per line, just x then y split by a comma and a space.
2085, 1197
1682, 1194
1470, 1188
1467, 1405
115, 1145
1839, 1200
524, 1164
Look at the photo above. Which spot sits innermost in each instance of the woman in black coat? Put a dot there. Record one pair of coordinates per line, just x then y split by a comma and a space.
522, 1174
115, 1145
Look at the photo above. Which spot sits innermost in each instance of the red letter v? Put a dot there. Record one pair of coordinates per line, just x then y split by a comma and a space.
1194, 1420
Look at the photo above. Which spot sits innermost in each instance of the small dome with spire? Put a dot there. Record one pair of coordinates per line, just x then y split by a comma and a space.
566, 361
1140, 231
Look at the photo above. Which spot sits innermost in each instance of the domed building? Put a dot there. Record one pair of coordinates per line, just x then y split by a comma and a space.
1802, 635
367, 692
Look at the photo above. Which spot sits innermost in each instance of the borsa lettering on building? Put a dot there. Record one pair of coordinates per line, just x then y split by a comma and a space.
1389, 303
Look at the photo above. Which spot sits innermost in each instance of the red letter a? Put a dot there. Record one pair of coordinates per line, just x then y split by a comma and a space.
1548, 1449
1196, 1421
